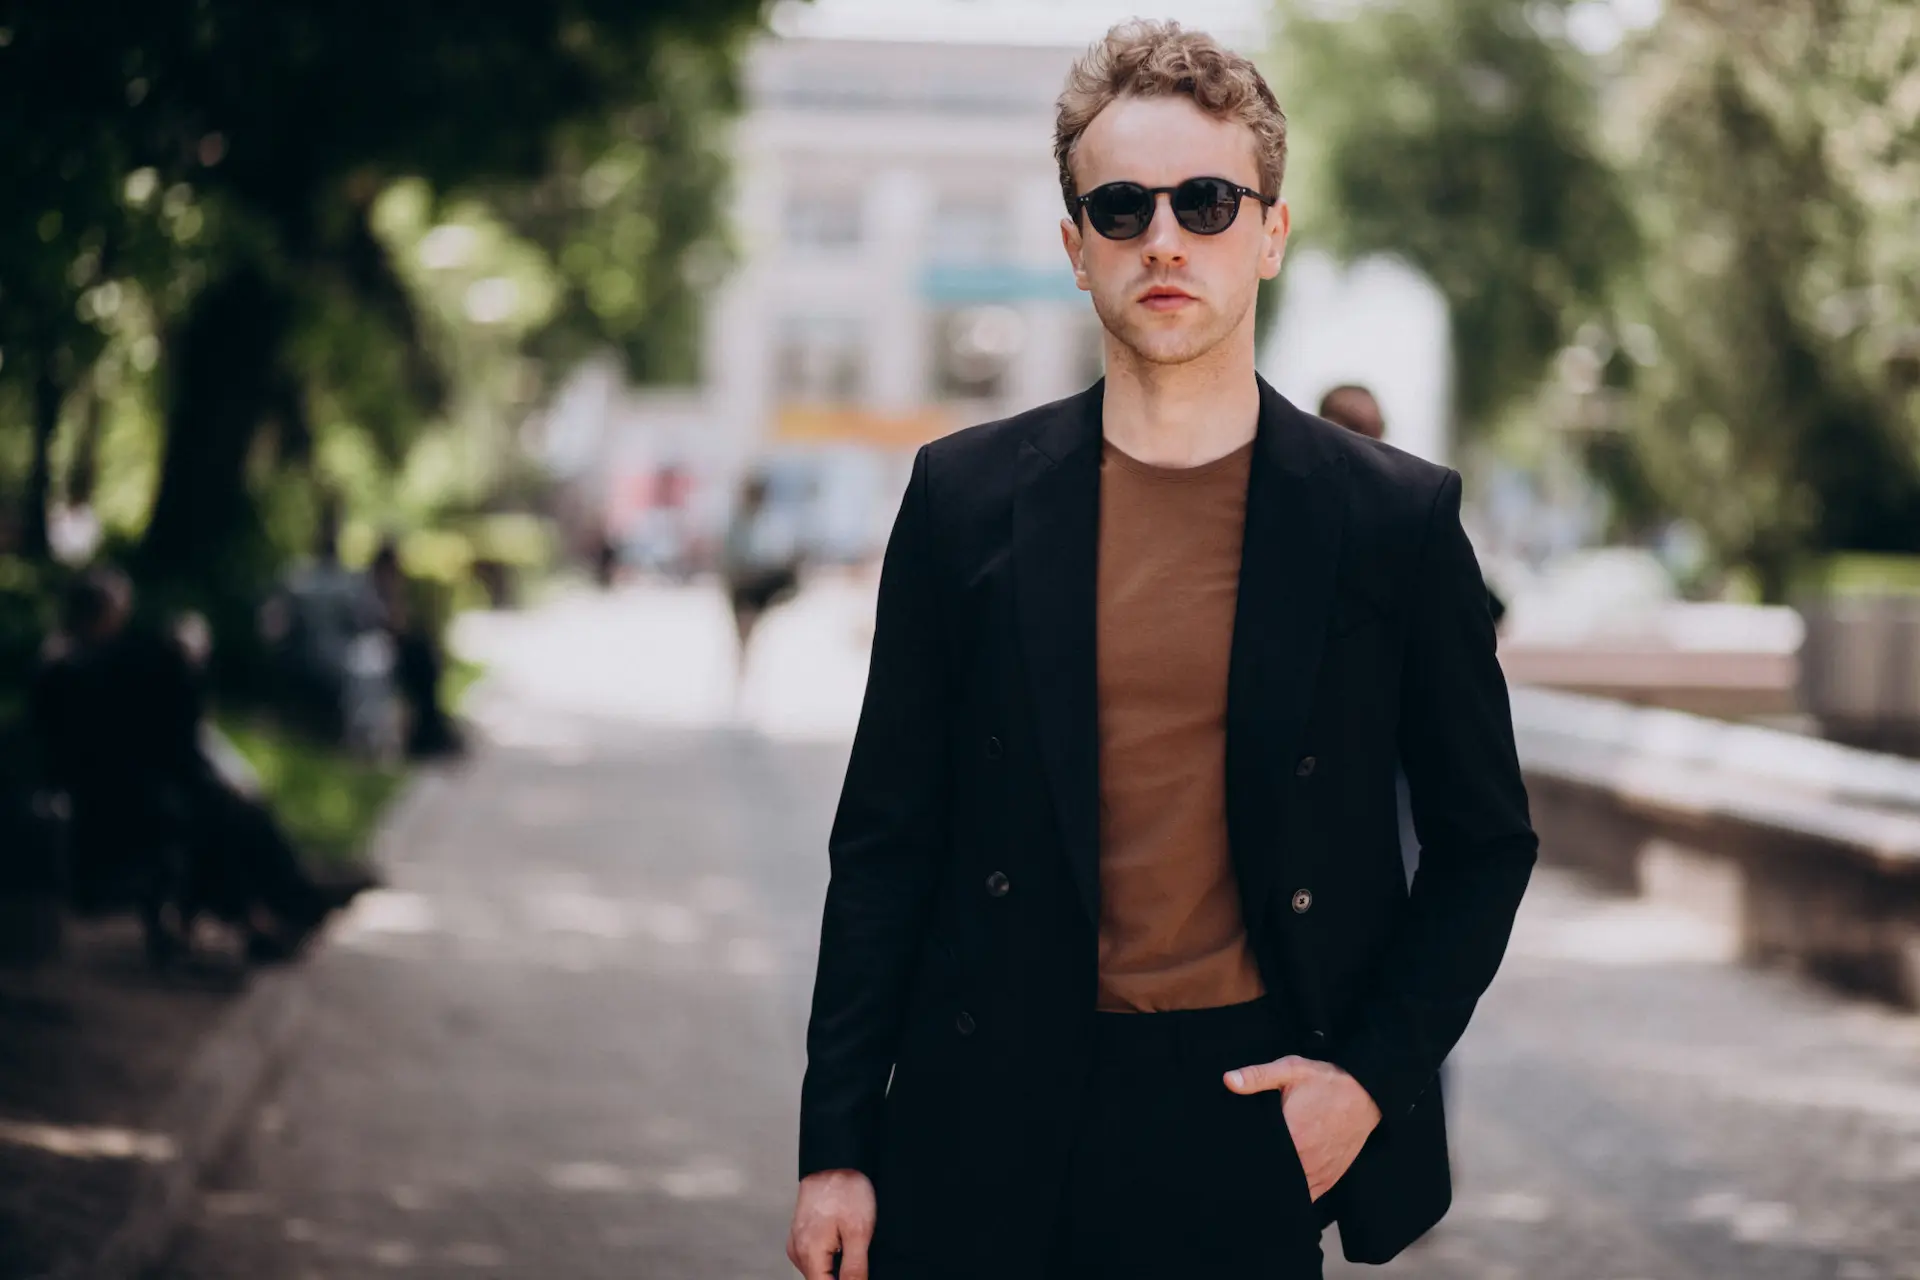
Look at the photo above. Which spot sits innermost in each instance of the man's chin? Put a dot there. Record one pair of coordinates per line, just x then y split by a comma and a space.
1168, 349
1165, 340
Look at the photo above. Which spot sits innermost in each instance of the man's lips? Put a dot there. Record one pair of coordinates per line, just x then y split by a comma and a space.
1164, 297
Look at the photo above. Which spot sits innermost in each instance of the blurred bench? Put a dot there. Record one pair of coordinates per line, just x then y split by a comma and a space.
1707, 682
1805, 852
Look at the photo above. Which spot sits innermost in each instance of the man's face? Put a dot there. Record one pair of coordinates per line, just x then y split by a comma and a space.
1170, 295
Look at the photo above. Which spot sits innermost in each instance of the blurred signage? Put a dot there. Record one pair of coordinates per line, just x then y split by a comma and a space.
853, 424
970, 284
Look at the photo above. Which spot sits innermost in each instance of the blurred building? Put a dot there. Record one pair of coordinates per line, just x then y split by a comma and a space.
901, 270
900, 273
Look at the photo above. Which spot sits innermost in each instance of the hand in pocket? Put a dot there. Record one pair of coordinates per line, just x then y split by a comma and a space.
1328, 1113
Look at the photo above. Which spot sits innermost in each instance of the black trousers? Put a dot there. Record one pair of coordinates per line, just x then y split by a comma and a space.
1172, 1173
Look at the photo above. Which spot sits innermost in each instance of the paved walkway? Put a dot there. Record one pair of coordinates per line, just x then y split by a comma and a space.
567, 1041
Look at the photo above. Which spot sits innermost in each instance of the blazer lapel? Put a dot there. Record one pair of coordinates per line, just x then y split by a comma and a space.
1056, 530
1296, 510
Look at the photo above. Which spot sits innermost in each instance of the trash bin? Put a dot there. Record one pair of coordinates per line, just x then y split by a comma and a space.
1860, 669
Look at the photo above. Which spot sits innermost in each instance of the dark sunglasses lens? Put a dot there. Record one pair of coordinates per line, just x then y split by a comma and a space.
1120, 210
1206, 206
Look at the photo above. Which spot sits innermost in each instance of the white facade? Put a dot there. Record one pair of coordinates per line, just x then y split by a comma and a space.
1378, 323
901, 271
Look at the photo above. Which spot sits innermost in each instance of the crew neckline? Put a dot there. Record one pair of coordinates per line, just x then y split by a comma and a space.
1155, 472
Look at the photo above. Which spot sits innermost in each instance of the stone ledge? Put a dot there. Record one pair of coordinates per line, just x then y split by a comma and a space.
1805, 852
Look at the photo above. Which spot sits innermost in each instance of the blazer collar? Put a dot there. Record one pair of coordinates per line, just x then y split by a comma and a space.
1286, 439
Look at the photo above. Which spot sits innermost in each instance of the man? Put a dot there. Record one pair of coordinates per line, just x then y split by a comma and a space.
313, 620
759, 562
118, 710
417, 666
1352, 406
1119, 975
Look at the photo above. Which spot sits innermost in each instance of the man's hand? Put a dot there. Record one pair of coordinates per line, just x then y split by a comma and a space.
834, 1215
1327, 1111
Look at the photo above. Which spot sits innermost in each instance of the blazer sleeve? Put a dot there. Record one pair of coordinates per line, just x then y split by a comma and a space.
883, 852
1477, 844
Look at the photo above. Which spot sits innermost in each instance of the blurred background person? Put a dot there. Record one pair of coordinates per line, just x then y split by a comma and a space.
604, 553
118, 710
324, 622
1352, 406
760, 561
417, 662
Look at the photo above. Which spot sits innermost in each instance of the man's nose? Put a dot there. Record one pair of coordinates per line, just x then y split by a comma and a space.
1164, 242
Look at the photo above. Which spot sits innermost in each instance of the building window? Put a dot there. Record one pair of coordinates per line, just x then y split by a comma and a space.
973, 351
969, 229
825, 219
820, 360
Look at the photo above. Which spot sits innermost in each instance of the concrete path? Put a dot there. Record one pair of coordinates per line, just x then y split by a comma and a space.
567, 1041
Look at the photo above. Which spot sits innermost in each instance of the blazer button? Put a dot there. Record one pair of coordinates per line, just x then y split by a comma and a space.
964, 1023
1302, 899
995, 749
998, 884
1305, 768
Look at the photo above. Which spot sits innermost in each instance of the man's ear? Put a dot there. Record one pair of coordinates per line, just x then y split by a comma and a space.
1277, 224
1072, 242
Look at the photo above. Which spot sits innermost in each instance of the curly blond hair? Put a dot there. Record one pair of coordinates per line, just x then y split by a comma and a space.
1143, 59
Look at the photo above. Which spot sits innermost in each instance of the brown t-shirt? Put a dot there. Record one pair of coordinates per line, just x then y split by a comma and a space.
1171, 931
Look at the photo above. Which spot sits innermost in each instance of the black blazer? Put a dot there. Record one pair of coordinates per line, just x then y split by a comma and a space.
953, 1004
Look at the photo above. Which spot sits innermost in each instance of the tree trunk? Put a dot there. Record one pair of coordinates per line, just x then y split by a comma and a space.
1772, 573
48, 395
222, 377
84, 471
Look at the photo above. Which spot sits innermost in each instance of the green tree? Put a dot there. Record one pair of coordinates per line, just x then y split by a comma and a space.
264, 137
1453, 134
1776, 167
629, 214
1712, 227
70, 243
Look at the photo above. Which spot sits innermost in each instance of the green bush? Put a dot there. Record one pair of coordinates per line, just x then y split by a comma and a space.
523, 542
1859, 573
329, 803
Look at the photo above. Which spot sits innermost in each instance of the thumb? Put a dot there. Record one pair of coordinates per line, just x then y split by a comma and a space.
1279, 1074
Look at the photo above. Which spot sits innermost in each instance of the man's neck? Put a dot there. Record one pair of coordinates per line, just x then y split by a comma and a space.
1181, 415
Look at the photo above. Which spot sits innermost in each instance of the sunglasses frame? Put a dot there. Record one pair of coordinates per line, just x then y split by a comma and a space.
1153, 195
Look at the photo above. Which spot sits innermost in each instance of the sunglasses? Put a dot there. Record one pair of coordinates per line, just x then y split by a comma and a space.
1204, 206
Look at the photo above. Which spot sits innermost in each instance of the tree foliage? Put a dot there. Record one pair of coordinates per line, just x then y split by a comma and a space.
1449, 133
200, 181
1715, 221
1778, 199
